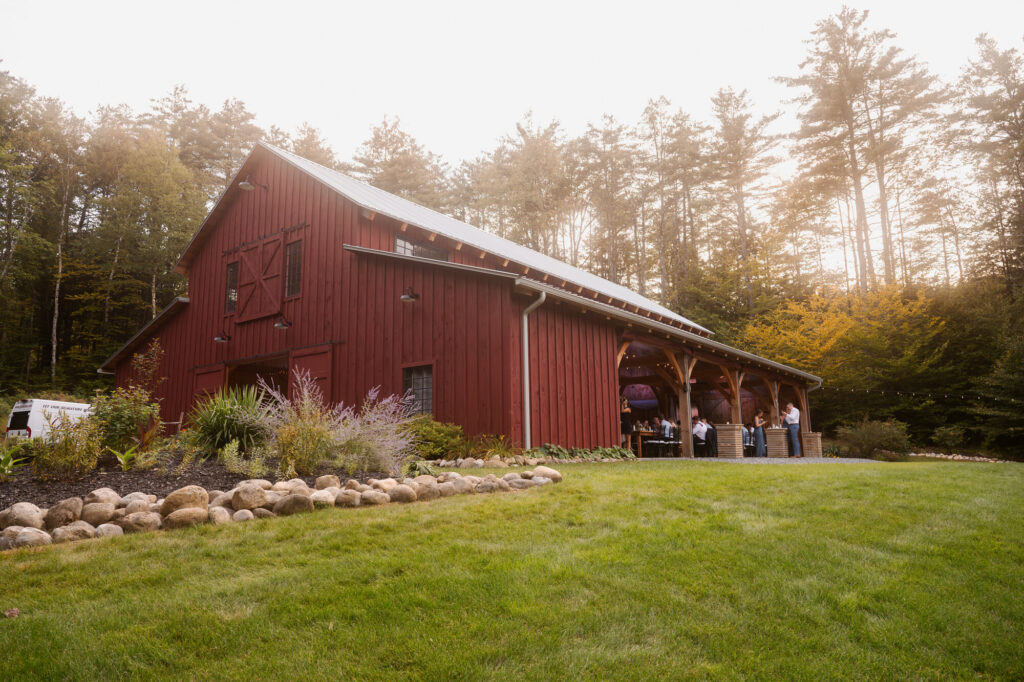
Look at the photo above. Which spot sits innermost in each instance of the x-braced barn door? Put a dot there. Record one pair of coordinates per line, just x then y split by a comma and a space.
259, 279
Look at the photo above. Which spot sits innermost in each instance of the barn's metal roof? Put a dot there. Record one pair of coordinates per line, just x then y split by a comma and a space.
405, 211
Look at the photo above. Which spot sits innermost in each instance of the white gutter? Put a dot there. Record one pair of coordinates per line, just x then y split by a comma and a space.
526, 367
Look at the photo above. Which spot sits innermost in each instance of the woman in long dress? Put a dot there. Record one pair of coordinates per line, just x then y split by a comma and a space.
626, 426
760, 444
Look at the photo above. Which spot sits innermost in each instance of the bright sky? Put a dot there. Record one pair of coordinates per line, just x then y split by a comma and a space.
459, 74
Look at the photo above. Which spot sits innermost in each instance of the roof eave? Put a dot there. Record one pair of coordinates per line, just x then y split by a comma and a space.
170, 309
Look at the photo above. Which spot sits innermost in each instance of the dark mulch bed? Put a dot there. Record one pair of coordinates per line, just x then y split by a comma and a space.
210, 475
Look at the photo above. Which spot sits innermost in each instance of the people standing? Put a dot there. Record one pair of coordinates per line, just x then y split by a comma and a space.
711, 436
627, 427
760, 441
792, 422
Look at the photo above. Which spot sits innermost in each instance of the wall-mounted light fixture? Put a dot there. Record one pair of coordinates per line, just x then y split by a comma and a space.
409, 296
222, 338
248, 185
282, 323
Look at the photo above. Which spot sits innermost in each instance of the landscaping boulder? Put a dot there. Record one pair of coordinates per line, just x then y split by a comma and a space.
525, 474
24, 514
96, 513
7, 536
293, 504
261, 513
447, 489
522, 483
248, 496
281, 487
402, 493
191, 496
261, 482
124, 501
541, 480
327, 481
103, 495
347, 498
384, 485
486, 486
370, 497
548, 472
64, 512
141, 522
107, 530
273, 497
79, 530
428, 491
220, 515
468, 463
243, 515
511, 476
223, 500
137, 506
352, 484
186, 516
301, 490
322, 499
461, 485
31, 537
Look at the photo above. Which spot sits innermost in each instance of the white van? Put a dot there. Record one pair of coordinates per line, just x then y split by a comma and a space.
32, 418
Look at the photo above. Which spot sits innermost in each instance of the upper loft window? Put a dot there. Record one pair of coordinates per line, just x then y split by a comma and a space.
293, 269
407, 247
231, 288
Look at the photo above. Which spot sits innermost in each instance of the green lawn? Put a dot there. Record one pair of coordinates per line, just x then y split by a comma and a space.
659, 570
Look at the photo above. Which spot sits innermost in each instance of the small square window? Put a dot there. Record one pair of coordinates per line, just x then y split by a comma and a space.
420, 382
231, 288
293, 269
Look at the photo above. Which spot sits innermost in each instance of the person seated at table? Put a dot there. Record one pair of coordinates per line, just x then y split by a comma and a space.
700, 432
748, 440
711, 436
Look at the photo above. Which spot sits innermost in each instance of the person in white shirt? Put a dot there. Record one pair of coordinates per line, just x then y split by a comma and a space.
700, 432
792, 422
666, 428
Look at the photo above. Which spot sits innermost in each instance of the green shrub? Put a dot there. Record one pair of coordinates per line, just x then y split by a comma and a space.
416, 467
868, 437
236, 414
13, 455
70, 450
252, 465
124, 416
831, 450
433, 439
304, 443
950, 438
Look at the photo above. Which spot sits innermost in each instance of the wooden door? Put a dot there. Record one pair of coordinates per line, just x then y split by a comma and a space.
315, 360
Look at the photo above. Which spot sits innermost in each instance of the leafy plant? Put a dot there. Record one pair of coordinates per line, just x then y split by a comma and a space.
831, 450
124, 414
950, 438
497, 445
10, 463
376, 437
125, 458
432, 439
252, 465
70, 450
867, 437
236, 414
416, 467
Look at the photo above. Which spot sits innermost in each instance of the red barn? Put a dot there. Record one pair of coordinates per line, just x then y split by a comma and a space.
302, 267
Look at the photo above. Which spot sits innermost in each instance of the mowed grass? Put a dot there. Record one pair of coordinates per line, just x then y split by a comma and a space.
660, 570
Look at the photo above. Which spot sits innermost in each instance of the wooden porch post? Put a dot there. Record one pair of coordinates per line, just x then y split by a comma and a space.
805, 409
773, 389
683, 373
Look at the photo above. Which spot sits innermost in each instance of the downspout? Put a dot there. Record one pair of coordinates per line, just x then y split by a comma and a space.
526, 367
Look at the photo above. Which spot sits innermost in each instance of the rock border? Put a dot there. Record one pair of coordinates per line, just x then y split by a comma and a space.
105, 513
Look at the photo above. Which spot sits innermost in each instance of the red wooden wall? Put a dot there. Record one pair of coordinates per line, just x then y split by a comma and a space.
351, 331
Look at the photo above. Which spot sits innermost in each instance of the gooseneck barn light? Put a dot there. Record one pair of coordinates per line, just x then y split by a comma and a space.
282, 323
222, 338
409, 296
248, 185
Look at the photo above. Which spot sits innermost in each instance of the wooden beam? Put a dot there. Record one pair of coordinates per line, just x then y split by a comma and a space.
504, 263
483, 254
432, 236
458, 247
579, 290
545, 278
622, 351
526, 270
404, 227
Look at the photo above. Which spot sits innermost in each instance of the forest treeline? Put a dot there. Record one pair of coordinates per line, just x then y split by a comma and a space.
880, 244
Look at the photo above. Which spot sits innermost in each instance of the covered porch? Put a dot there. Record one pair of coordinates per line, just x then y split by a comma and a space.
680, 380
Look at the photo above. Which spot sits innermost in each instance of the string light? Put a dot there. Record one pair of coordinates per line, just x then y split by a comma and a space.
914, 394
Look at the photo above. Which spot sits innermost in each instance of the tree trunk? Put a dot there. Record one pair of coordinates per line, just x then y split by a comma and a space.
863, 244
110, 282
152, 293
57, 282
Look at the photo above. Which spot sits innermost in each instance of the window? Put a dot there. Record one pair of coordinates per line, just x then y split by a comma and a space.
419, 249
231, 288
420, 381
293, 269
